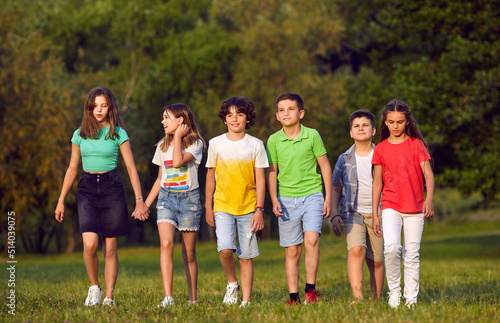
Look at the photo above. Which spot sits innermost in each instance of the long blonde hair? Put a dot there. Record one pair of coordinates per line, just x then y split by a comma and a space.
181, 110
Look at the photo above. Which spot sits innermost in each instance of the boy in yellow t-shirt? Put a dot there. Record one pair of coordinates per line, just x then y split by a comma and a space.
236, 162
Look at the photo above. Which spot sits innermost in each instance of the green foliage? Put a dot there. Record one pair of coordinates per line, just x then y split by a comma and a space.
459, 282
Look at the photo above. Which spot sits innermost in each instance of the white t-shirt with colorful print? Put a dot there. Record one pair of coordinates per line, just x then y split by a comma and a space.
183, 178
235, 163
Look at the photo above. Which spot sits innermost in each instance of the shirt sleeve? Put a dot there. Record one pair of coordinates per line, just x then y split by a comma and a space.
122, 136
318, 146
76, 139
423, 154
338, 172
211, 156
157, 156
271, 150
377, 157
261, 156
196, 150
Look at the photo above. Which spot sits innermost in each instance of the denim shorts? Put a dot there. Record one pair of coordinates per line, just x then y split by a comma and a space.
300, 214
227, 225
181, 209
102, 207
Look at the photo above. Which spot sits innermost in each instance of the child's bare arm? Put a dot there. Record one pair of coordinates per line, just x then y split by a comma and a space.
428, 208
209, 194
272, 183
376, 193
326, 173
257, 223
155, 190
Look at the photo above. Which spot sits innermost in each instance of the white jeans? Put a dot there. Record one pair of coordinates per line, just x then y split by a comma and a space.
413, 225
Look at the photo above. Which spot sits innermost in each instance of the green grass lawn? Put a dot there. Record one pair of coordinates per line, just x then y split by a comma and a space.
459, 282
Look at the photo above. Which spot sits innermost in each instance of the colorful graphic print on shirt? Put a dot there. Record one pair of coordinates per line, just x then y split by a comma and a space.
176, 180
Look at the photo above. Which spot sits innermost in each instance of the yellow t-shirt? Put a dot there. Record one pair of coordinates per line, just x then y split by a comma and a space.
235, 163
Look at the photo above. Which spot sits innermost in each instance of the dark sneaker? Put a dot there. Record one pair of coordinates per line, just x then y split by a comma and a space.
311, 297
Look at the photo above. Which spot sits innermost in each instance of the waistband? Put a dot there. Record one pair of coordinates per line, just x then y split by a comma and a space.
101, 175
168, 192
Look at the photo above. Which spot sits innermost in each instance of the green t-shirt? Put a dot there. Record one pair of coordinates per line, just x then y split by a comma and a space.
297, 162
100, 155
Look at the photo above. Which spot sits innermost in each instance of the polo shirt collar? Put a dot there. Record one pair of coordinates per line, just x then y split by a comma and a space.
302, 135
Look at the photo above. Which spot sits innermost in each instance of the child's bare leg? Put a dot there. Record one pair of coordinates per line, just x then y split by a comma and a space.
246, 278
311, 242
90, 245
292, 255
109, 247
166, 231
228, 263
377, 275
355, 258
190, 263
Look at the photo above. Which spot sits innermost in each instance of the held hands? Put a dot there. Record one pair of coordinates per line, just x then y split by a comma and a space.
336, 224
257, 223
141, 211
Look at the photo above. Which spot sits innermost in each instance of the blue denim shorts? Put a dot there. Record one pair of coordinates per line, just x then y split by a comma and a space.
227, 225
300, 214
181, 209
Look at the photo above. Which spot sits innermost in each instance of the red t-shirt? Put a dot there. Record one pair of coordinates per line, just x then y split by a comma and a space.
403, 183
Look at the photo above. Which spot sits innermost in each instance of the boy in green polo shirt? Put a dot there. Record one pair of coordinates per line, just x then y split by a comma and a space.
294, 153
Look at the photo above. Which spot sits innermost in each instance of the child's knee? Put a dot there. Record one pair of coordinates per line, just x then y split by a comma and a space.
357, 252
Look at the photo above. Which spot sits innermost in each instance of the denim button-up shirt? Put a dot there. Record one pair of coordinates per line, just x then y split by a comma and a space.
346, 176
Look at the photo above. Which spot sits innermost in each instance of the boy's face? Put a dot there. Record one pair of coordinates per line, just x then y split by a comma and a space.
236, 121
288, 113
362, 129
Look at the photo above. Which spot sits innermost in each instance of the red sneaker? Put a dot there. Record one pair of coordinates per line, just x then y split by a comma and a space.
311, 296
292, 303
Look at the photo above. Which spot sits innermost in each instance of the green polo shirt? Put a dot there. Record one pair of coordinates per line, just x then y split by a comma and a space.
297, 162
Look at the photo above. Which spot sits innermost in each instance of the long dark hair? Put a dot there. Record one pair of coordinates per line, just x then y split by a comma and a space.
411, 128
90, 127
182, 110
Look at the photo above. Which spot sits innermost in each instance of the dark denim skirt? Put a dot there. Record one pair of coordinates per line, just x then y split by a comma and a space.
102, 207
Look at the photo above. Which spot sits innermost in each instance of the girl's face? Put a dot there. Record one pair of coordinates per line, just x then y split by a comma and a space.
101, 109
170, 123
396, 122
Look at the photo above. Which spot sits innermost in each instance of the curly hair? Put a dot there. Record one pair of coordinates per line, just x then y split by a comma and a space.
242, 105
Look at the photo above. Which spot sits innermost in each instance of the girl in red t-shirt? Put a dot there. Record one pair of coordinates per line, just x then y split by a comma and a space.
399, 160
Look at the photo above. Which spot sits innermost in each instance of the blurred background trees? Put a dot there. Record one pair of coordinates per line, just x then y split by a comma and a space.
442, 57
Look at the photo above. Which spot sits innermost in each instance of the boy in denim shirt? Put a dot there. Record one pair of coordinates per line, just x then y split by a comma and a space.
352, 189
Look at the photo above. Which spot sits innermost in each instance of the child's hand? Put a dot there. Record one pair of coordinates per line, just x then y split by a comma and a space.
327, 207
210, 217
141, 211
376, 226
59, 212
428, 209
336, 224
277, 208
257, 223
182, 130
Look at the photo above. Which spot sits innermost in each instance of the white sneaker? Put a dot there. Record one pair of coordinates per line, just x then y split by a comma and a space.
108, 302
193, 303
245, 304
394, 299
94, 296
167, 301
411, 304
231, 296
